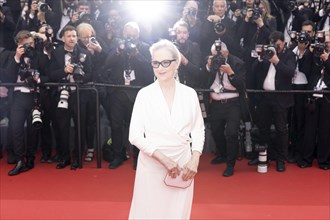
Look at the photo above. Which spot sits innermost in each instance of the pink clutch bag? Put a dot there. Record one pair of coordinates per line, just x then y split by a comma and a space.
177, 182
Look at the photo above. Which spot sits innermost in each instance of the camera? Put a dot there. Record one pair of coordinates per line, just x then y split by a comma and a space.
64, 97
291, 5
85, 17
127, 46
256, 13
27, 75
218, 59
172, 34
43, 7
319, 46
219, 27
302, 37
77, 60
192, 12
36, 113
92, 40
29, 50
265, 52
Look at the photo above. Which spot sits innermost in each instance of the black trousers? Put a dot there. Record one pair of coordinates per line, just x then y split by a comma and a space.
297, 123
64, 124
121, 111
317, 132
225, 121
20, 113
273, 113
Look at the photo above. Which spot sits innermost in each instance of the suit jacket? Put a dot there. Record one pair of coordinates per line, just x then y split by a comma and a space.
57, 63
238, 81
285, 70
189, 74
39, 62
140, 63
208, 36
7, 29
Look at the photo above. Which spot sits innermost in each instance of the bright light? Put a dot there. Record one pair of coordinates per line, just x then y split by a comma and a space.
147, 10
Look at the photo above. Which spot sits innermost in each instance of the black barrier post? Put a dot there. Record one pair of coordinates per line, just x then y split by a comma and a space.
98, 138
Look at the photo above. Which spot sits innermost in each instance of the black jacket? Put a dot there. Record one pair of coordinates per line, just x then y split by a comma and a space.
285, 70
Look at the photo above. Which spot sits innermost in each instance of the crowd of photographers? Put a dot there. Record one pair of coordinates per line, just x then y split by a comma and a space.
226, 46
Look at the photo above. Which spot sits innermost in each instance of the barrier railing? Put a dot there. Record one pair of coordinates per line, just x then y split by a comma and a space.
93, 87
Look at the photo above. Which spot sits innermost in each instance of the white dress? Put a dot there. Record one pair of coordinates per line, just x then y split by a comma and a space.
176, 135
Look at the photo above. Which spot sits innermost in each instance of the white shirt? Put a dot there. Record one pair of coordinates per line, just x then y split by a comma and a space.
269, 83
299, 78
217, 87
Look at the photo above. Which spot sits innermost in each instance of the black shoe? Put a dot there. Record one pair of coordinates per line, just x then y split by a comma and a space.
253, 162
75, 165
218, 160
291, 160
54, 159
280, 166
63, 164
19, 168
324, 166
44, 159
115, 163
30, 163
303, 164
229, 171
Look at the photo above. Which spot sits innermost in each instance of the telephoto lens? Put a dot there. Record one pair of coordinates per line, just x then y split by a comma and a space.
36, 118
262, 158
64, 97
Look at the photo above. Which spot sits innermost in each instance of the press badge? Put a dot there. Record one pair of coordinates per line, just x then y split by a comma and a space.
130, 76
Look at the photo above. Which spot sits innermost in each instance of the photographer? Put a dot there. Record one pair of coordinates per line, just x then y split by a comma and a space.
188, 72
29, 67
317, 124
225, 72
220, 26
322, 16
297, 113
274, 71
128, 65
70, 63
88, 40
189, 15
7, 27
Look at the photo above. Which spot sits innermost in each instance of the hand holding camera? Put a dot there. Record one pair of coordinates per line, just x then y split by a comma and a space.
213, 18
68, 69
226, 68
93, 45
20, 50
324, 56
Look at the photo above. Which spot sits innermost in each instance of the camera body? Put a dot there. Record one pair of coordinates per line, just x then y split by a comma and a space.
43, 7
291, 5
319, 46
92, 39
27, 75
301, 37
256, 13
172, 34
127, 46
218, 59
28, 50
78, 72
64, 97
265, 52
219, 27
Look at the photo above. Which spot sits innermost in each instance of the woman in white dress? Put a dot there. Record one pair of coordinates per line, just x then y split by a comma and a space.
168, 128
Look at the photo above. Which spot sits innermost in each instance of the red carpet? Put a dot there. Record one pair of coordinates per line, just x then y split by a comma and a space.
91, 193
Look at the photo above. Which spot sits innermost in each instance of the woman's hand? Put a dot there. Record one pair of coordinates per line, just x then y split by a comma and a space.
171, 166
190, 169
